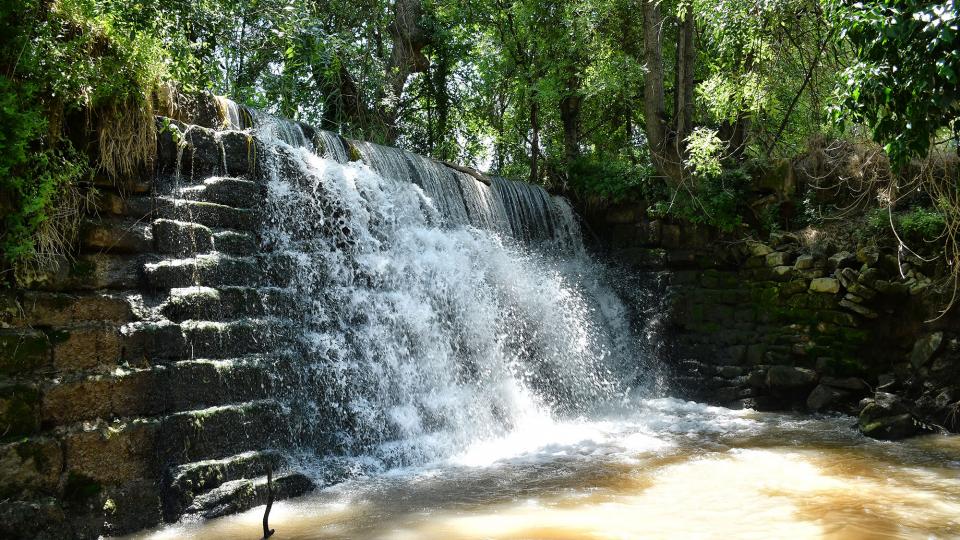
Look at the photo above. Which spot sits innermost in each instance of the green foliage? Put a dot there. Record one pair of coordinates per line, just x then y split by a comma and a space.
905, 83
716, 200
917, 226
63, 65
703, 152
611, 178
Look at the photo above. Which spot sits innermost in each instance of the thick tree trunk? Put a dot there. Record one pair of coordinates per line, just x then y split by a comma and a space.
534, 139
665, 157
686, 61
570, 117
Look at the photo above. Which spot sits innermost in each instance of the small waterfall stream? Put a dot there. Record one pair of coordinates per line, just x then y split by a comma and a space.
433, 310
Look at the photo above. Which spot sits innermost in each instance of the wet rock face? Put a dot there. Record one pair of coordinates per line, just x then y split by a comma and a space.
140, 380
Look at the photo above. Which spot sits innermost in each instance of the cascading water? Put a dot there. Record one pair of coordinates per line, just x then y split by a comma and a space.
420, 316
433, 309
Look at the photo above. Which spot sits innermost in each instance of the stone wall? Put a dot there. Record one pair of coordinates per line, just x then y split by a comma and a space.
137, 380
796, 323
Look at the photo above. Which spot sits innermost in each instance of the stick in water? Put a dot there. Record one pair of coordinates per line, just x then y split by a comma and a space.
267, 531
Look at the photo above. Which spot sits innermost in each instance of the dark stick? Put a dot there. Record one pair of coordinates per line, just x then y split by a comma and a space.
267, 531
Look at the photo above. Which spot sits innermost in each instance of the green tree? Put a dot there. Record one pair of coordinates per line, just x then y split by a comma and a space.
904, 84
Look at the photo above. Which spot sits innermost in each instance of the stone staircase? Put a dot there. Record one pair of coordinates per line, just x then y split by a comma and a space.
139, 383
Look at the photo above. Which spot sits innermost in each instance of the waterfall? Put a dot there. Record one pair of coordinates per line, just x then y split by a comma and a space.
432, 309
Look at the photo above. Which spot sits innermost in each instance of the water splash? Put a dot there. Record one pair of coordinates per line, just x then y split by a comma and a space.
433, 309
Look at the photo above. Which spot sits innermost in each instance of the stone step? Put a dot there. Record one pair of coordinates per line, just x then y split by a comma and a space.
226, 303
235, 192
239, 495
115, 236
131, 450
189, 152
184, 239
193, 479
217, 432
147, 343
88, 272
162, 389
218, 270
43, 309
209, 214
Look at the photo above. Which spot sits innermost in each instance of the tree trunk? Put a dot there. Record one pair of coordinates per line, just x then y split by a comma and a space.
686, 61
534, 138
570, 117
665, 158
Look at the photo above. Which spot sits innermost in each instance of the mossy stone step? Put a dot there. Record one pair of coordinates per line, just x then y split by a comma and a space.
190, 152
226, 303
115, 236
235, 192
239, 495
162, 389
194, 479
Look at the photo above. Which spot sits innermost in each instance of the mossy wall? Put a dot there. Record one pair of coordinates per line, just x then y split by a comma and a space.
787, 322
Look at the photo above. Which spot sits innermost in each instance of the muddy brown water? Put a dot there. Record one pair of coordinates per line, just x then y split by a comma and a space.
668, 469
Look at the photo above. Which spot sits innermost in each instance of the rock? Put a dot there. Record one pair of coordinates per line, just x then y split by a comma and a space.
790, 378
670, 236
841, 260
729, 372
859, 309
823, 397
853, 298
868, 255
784, 238
757, 378
847, 276
805, 262
778, 258
886, 417
758, 249
846, 383
758, 403
869, 277
861, 290
925, 348
886, 380
782, 273
825, 285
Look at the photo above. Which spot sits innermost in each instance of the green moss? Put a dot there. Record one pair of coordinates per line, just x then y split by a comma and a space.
19, 411
58, 336
22, 353
696, 312
28, 450
80, 488
842, 367
354, 152
82, 268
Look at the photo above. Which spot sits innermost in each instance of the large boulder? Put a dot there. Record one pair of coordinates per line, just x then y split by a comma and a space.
886, 417
825, 397
925, 348
790, 378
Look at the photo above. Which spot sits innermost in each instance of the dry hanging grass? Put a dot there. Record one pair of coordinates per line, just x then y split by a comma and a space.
127, 138
56, 236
